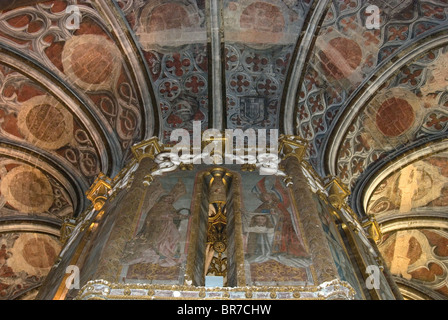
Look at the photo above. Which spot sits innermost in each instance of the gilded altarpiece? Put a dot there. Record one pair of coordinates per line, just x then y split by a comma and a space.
166, 229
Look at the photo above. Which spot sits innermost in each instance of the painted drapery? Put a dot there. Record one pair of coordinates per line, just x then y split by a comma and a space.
273, 244
156, 252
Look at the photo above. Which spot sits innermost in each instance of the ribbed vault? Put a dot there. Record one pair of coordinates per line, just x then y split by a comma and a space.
372, 104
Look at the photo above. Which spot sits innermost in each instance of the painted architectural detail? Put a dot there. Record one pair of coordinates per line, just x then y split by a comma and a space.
30, 115
418, 255
329, 82
421, 184
261, 24
186, 224
409, 107
173, 37
360, 184
101, 75
28, 191
94, 72
18, 271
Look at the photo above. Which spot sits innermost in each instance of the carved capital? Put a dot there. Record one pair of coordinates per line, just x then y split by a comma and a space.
98, 192
147, 149
292, 146
372, 229
67, 229
337, 192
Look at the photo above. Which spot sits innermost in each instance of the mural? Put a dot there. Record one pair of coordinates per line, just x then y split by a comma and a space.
173, 37
411, 105
156, 253
31, 115
422, 184
85, 58
259, 43
419, 256
25, 190
25, 260
262, 24
95, 66
274, 250
345, 54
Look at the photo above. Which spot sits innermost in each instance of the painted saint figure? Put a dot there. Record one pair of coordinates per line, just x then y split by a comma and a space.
159, 229
158, 239
271, 234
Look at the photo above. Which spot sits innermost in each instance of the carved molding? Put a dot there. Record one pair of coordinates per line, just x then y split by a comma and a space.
104, 290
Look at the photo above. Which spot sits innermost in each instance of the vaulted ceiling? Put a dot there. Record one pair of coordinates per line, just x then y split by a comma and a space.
372, 103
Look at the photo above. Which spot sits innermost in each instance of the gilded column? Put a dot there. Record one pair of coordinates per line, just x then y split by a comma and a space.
216, 250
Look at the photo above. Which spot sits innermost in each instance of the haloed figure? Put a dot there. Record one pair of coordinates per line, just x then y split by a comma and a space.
272, 233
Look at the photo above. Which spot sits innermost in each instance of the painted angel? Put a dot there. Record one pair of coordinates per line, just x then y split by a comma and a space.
272, 234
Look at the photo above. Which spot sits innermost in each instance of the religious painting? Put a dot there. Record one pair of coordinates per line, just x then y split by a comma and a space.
416, 186
419, 256
156, 252
25, 260
274, 249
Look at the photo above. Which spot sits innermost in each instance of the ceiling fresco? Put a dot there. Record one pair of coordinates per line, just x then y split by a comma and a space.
81, 81
410, 206
260, 39
25, 259
420, 257
408, 107
173, 43
419, 185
